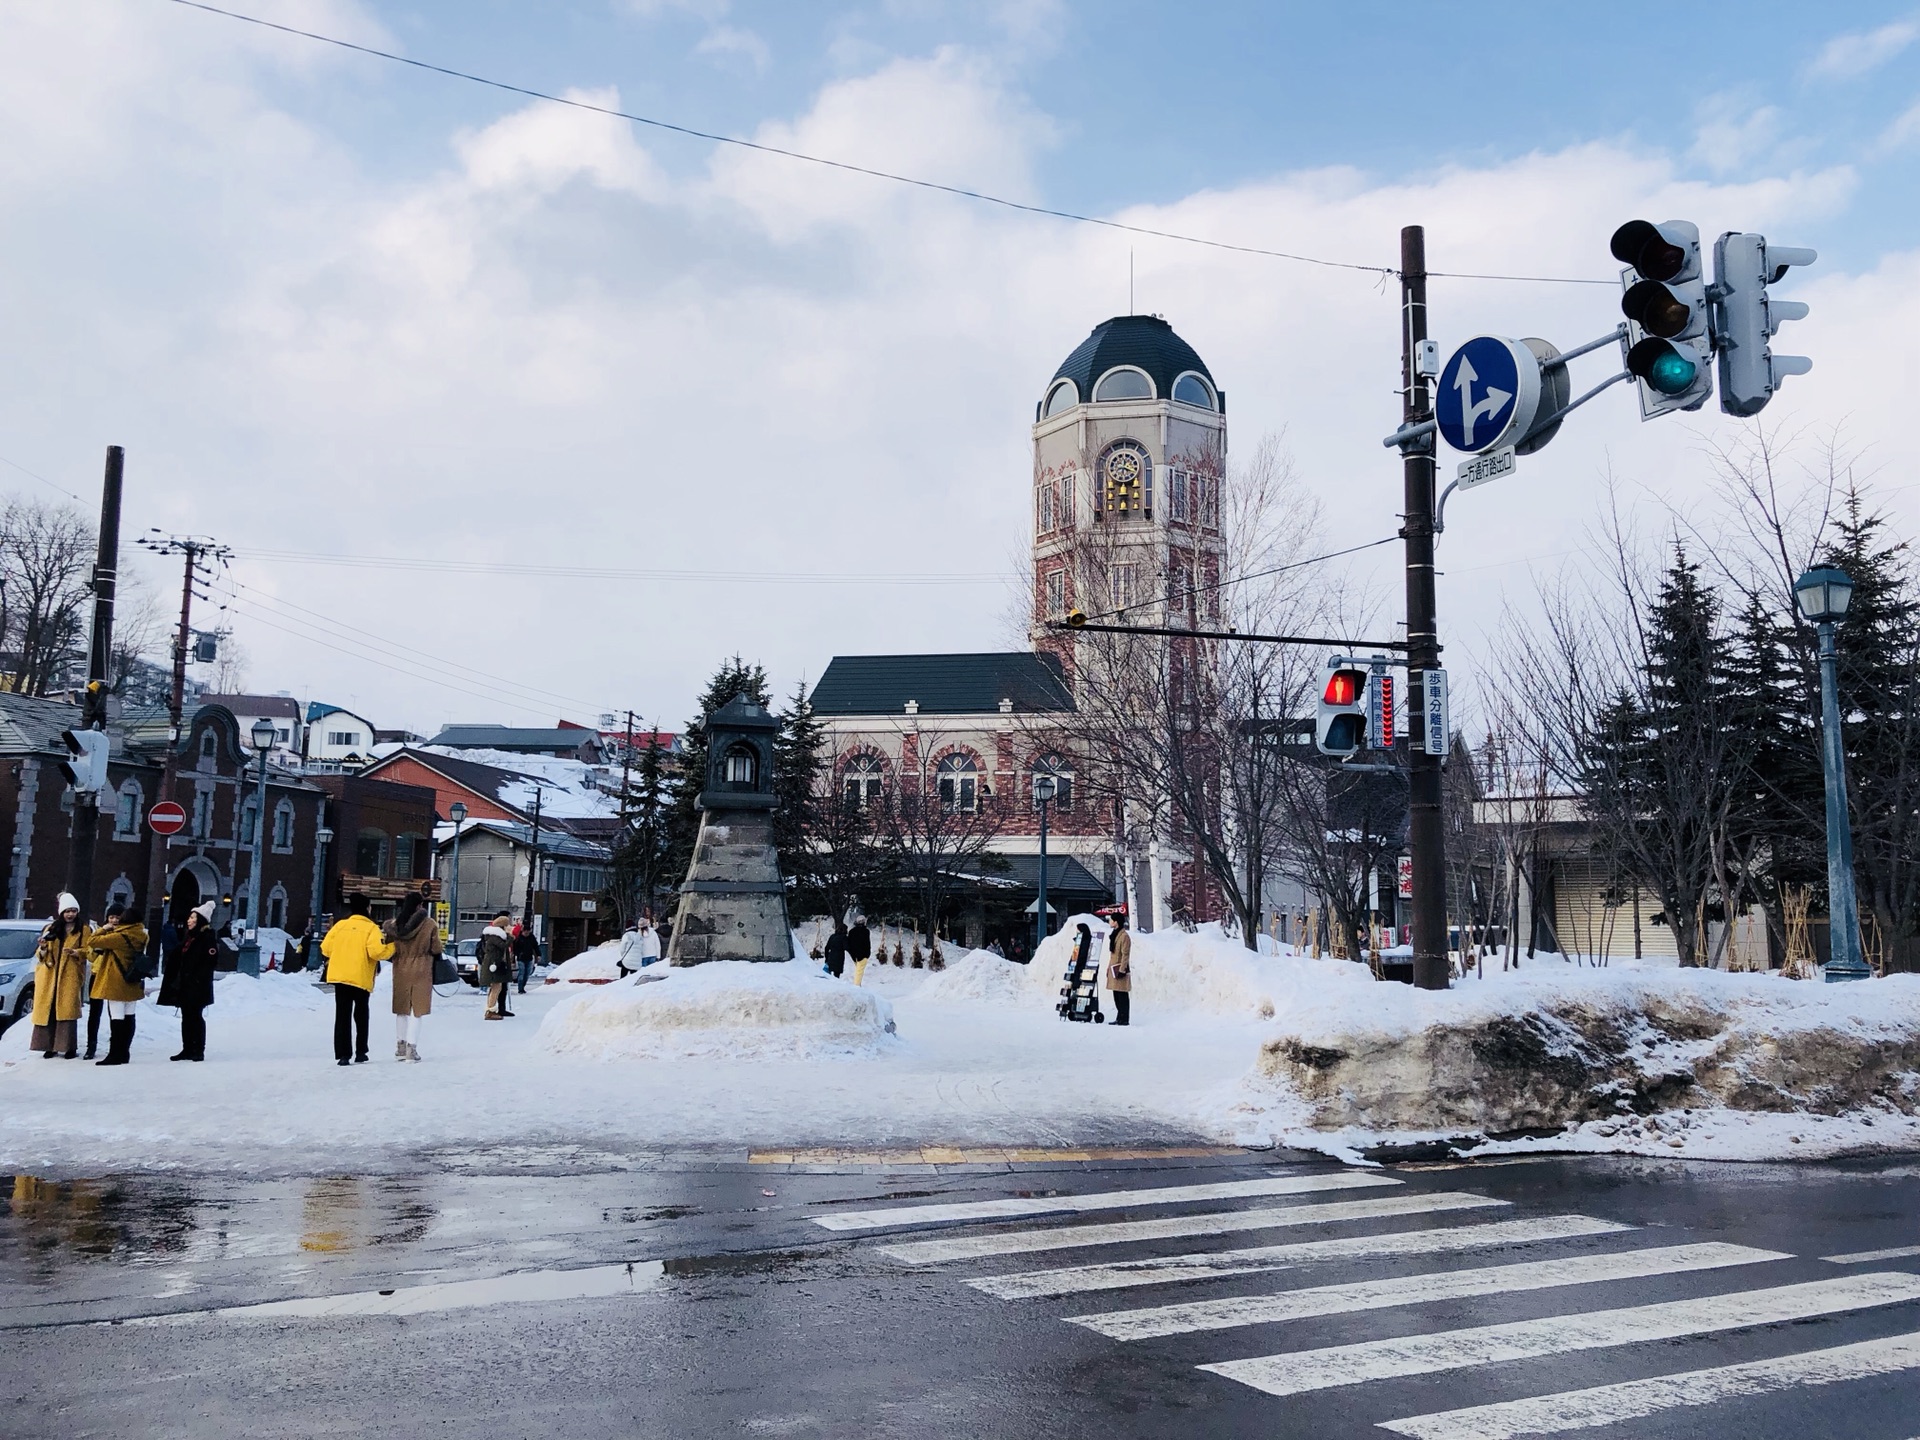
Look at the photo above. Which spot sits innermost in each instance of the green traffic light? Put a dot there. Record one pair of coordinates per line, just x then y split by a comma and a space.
1672, 374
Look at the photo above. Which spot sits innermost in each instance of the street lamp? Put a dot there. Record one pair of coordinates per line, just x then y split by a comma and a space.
1044, 789
1823, 594
263, 734
458, 811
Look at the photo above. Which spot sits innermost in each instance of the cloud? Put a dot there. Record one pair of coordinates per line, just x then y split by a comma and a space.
548, 348
1860, 51
731, 43
1903, 132
1731, 133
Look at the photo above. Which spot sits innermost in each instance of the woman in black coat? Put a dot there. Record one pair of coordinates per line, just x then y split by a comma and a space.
188, 980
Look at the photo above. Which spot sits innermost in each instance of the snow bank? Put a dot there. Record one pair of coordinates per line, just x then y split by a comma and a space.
735, 1010
595, 966
1591, 1054
976, 977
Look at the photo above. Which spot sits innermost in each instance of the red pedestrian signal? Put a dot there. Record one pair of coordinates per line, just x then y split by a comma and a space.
1341, 726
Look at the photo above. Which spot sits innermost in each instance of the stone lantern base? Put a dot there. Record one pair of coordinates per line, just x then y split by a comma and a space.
733, 905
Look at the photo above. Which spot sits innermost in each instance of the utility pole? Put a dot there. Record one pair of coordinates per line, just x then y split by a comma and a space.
626, 810
533, 863
1426, 836
93, 710
195, 548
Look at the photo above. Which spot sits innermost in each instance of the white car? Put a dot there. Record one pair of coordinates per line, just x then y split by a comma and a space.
18, 940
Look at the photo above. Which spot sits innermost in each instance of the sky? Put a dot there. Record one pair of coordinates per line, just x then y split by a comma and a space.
390, 334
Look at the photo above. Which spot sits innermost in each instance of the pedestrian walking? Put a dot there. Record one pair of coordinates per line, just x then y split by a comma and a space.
526, 953
188, 979
354, 949
494, 966
415, 942
118, 949
649, 941
629, 957
859, 946
1120, 968
836, 951
60, 982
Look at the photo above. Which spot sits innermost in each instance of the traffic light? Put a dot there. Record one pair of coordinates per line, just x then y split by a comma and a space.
1748, 319
1669, 340
1340, 728
86, 764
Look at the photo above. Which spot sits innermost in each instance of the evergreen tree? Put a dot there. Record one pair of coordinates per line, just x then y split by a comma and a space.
733, 679
799, 758
640, 853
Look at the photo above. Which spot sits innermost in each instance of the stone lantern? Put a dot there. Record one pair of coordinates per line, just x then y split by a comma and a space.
733, 903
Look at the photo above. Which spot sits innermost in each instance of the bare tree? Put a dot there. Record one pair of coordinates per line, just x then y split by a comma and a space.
937, 828
46, 560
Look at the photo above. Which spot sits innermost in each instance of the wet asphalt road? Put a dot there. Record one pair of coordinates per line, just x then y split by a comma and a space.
698, 1296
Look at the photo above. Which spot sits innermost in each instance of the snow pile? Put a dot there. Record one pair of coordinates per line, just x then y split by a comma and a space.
1597, 1051
592, 967
734, 1010
976, 977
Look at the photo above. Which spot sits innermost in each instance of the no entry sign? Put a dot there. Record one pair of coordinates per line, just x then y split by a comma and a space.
166, 817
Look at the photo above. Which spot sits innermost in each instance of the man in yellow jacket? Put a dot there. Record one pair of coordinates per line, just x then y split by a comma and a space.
354, 950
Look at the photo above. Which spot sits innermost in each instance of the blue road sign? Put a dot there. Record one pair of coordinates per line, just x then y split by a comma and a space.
1487, 395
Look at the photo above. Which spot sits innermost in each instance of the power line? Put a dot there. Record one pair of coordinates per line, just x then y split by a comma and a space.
1242, 579
1385, 271
456, 566
41, 478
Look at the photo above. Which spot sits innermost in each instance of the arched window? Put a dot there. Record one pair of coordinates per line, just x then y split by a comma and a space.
959, 783
1123, 384
249, 817
742, 767
1190, 389
1062, 774
243, 904
283, 824
370, 852
120, 892
863, 780
207, 743
1063, 396
277, 907
126, 811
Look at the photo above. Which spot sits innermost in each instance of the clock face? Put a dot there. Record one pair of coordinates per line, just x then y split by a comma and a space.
1124, 471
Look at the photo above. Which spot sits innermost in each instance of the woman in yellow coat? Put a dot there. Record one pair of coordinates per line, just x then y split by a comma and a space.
116, 948
60, 983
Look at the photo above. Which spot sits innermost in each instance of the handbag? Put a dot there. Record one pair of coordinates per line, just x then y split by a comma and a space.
445, 972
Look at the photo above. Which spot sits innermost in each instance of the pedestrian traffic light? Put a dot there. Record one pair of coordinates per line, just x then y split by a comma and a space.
1664, 297
1748, 318
86, 764
1341, 725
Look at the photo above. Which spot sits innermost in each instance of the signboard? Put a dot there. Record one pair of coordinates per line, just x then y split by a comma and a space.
1488, 394
166, 818
1406, 877
1483, 468
1433, 691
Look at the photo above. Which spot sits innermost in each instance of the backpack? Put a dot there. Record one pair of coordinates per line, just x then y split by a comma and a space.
141, 968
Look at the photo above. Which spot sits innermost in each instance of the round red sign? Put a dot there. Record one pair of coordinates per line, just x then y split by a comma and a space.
166, 817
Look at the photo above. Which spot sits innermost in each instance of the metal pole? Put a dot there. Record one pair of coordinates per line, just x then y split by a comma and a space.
453, 926
257, 908
533, 864
1845, 961
1041, 919
93, 711
1426, 837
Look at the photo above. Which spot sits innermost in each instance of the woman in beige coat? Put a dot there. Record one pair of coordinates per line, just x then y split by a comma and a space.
416, 943
1120, 969
60, 983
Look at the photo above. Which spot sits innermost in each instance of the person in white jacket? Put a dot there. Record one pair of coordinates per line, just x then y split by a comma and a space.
649, 940
629, 957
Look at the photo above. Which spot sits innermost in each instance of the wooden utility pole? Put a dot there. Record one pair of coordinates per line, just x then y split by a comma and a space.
93, 708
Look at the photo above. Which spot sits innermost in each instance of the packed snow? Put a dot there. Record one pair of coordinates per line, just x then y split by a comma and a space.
1226, 1045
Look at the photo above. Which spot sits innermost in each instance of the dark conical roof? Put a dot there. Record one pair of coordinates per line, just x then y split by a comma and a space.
1143, 340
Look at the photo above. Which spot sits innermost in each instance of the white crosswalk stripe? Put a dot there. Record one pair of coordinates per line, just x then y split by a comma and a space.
1419, 1290
1020, 1206
1177, 1227
1638, 1399
1868, 1257
1123, 1274
1300, 1371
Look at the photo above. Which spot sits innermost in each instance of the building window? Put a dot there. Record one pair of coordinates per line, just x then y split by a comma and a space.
1056, 594
1063, 396
120, 892
1125, 581
863, 781
126, 812
958, 779
283, 825
1123, 385
1062, 774
207, 743
243, 904
742, 766
277, 908
1178, 485
343, 737
370, 852
249, 817
202, 815
1190, 389
576, 879
1043, 508
403, 854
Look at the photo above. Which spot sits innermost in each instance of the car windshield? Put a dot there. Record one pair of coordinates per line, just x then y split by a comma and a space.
469, 947
18, 944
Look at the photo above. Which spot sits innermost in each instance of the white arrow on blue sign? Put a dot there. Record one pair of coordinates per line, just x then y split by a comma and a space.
1488, 394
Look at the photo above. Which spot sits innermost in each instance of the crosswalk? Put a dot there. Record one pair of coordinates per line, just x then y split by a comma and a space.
1436, 1248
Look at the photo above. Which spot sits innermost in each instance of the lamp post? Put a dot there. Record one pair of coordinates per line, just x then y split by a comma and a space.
310, 948
263, 735
458, 811
1823, 595
1044, 789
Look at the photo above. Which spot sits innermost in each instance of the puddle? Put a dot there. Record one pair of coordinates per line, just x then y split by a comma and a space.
529, 1287
747, 1263
50, 1222
634, 1214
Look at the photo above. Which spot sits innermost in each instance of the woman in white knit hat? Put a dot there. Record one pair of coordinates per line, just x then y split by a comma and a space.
60, 982
188, 980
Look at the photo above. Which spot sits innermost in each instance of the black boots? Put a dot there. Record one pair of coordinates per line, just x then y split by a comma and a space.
119, 1041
